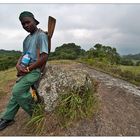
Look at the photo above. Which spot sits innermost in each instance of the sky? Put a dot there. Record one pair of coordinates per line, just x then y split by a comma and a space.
115, 25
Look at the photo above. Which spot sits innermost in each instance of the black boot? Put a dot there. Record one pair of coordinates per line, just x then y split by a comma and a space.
4, 123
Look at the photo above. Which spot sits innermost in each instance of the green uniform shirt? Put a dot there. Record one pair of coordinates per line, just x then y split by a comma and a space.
37, 40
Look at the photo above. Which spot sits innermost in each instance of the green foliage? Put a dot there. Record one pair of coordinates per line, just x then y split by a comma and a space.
76, 105
8, 59
99, 63
67, 51
106, 53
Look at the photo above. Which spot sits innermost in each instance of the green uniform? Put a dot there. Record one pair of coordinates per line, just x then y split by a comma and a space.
21, 96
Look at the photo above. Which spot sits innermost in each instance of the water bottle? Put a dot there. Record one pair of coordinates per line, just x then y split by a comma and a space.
26, 59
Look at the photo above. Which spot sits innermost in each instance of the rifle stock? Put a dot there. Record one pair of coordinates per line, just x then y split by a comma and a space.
51, 27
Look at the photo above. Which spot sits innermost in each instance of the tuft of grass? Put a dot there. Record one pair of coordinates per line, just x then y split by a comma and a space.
37, 124
76, 105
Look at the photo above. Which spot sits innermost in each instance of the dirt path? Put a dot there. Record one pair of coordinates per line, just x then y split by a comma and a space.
120, 106
119, 111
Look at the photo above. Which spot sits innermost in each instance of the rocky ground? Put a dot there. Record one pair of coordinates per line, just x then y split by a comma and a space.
119, 113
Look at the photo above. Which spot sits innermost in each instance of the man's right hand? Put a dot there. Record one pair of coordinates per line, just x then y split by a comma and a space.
21, 71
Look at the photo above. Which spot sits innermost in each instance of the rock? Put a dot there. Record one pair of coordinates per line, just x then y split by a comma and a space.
60, 80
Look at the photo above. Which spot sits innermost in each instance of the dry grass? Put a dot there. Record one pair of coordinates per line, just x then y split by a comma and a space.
64, 62
7, 78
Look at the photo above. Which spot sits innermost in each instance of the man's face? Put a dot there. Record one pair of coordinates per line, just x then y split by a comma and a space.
28, 24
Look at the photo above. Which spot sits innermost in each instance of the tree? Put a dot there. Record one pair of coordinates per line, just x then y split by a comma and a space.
67, 51
105, 53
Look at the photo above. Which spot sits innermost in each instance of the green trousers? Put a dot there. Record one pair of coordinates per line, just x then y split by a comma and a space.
21, 96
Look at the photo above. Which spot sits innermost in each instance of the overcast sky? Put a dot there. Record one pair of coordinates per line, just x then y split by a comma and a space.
115, 25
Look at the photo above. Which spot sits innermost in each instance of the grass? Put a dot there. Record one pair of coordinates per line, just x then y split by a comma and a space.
127, 73
71, 107
131, 74
36, 125
133, 69
6, 77
61, 62
76, 105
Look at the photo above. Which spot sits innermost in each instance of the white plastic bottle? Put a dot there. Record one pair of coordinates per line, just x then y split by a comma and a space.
26, 59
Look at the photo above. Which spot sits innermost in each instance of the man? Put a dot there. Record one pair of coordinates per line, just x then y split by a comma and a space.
36, 44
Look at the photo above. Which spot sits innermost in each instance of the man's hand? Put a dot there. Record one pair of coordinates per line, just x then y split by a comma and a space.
21, 71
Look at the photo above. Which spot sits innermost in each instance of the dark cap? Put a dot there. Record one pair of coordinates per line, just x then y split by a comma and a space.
27, 14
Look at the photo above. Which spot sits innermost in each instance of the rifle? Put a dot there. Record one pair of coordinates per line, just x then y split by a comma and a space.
51, 27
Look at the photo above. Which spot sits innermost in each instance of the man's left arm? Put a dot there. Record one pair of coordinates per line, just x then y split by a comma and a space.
42, 59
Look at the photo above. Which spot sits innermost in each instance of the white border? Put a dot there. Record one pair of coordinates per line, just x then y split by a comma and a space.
70, 1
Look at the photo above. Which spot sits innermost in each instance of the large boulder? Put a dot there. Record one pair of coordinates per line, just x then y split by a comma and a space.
60, 80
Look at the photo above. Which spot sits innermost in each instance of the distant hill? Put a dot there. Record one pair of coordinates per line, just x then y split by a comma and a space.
132, 56
10, 52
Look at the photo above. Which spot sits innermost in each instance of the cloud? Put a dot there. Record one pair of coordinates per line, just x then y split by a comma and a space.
116, 25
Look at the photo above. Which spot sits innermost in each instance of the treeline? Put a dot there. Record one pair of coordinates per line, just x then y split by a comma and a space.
99, 52
8, 58
73, 51
106, 54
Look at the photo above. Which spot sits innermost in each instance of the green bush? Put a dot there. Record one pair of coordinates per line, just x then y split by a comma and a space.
8, 59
